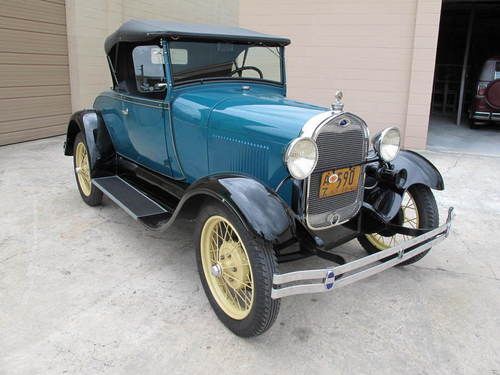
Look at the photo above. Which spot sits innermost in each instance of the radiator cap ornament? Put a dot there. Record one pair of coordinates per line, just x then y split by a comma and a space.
338, 106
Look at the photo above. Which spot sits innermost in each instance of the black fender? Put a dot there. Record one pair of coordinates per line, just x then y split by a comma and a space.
260, 209
385, 199
99, 144
419, 170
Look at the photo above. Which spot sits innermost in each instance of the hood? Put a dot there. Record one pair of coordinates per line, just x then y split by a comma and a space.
256, 111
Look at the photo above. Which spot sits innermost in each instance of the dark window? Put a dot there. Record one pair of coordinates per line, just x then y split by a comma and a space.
149, 69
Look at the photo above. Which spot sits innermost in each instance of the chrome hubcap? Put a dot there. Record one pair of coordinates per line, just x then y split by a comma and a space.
216, 270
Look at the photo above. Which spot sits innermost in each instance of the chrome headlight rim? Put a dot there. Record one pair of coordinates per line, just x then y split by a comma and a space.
378, 143
288, 156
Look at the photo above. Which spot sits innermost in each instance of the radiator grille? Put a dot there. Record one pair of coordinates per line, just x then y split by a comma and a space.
338, 147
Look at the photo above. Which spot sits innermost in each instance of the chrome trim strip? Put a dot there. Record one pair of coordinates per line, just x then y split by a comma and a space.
358, 267
152, 103
314, 122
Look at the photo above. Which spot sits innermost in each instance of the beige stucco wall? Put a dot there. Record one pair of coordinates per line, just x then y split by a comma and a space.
381, 53
89, 22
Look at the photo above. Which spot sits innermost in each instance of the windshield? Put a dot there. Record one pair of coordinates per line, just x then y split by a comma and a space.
193, 61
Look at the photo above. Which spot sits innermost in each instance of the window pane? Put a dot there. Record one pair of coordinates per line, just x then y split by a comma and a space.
266, 59
148, 68
179, 56
216, 60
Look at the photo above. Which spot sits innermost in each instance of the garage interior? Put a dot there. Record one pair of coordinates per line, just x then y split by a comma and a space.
469, 34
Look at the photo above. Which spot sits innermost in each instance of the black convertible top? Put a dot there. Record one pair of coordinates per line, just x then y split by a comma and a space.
147, 30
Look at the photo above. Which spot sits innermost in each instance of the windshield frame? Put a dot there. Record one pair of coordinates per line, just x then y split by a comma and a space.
172, 83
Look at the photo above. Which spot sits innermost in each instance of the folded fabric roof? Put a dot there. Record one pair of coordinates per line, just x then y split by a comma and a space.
148, 30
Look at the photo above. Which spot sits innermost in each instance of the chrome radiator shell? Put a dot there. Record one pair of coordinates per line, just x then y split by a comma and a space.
339, 146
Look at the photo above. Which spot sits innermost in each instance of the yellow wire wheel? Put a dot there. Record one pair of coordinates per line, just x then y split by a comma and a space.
82, 168
226, 267
410, 219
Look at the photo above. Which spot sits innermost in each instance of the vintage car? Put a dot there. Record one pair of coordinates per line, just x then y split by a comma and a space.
485, 106
197, 125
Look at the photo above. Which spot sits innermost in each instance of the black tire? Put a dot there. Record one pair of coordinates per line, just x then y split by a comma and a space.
95, 196
473, 124
264, 310
428, 218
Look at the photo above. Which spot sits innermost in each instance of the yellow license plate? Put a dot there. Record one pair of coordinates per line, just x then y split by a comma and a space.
339, 181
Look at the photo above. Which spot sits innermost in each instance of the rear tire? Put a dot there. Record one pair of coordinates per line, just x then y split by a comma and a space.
236, 272
473, 124
427, 216
81, 166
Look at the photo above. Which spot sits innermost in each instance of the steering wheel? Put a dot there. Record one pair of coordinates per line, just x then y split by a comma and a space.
239, 70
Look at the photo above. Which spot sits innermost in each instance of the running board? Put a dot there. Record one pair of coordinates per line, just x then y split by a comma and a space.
131, 199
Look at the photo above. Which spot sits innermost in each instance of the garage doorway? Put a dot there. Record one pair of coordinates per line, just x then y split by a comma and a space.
469, 36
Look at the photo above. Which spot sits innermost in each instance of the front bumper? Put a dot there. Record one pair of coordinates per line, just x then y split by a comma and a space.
325, 280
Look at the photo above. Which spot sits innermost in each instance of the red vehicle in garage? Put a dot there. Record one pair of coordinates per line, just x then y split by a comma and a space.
486, 104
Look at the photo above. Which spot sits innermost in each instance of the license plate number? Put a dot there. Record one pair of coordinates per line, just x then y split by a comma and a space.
339, 181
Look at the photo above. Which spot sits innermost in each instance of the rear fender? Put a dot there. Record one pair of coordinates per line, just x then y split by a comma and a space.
101, 150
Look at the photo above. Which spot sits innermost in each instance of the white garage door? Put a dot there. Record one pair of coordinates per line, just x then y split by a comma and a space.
34, 72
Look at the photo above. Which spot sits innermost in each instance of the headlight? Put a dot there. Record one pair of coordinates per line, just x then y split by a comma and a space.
301, 157
386, 143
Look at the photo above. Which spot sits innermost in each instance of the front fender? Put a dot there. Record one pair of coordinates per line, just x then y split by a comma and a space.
383, 202
419, 170
260, 209
91, 124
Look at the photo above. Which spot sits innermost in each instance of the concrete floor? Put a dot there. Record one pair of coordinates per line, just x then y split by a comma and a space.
88, 290
445, 135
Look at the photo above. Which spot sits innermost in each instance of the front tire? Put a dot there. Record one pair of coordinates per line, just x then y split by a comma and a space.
236, 272
418, 210
81, 164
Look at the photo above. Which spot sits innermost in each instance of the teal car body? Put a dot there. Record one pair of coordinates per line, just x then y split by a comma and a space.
210, 128
198, 125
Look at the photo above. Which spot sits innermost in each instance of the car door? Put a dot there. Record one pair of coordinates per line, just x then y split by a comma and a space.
144, 110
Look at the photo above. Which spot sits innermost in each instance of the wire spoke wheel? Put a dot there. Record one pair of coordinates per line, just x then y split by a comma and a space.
81, 164
418, 211
410, 219
236, 271
226, 267
82, 168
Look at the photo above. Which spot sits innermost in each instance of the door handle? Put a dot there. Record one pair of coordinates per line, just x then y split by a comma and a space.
125, 111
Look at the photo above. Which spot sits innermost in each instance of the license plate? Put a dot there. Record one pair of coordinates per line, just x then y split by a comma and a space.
339, 181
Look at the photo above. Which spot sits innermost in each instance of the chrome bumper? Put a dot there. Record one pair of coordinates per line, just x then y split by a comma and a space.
481, 115
325, 280
486, 116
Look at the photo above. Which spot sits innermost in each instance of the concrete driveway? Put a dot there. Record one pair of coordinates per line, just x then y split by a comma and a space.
88, 290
